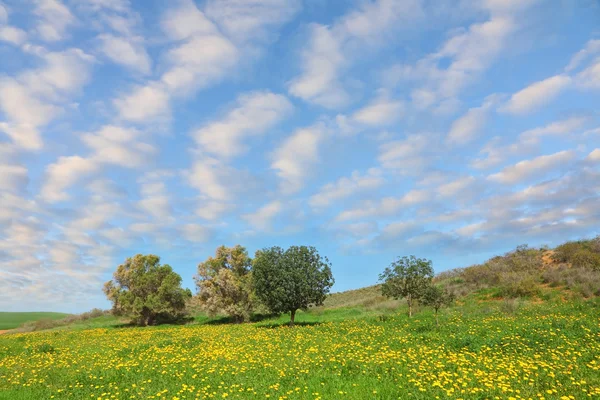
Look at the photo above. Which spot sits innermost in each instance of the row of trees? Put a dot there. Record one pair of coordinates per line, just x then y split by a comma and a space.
275, 281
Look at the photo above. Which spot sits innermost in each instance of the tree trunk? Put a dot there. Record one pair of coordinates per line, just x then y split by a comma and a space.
292, 317
409, 300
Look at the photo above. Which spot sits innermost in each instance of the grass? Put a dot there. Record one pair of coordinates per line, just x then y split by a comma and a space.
11, 320
482, 350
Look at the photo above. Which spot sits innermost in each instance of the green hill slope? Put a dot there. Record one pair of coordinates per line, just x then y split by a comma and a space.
11, 320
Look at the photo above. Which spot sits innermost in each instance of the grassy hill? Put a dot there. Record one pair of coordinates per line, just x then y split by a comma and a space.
11, 320
525, 326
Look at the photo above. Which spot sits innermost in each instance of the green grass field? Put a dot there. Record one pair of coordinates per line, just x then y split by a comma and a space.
482, 350
11, 320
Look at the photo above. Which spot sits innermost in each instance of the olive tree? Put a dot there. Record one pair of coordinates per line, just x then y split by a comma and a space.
291, 280
147, 291
224, 283
437, 297
407, 277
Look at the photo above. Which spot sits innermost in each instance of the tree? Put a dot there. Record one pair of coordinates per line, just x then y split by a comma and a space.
146, 290
291, 280
407, 277
437, 297
224, 283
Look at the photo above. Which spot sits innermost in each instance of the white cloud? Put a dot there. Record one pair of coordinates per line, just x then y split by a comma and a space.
536, 167
567, 126
320, 62
33, 98
409, 155
347, 186
594, 156
255, 113
13, 178
212, 209
527, 141
456, 187
245, 20
536, 95
589, 78
117, 145
196, 233
331, 49
591, 48
185, 20
466, 128
469, 53
295, 157
386, 206
128, 52
144, 104
3, 14
63, 174
54, 19
12, 35
382, 111
262, 218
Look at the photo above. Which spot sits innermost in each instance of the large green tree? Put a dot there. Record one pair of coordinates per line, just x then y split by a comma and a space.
291, 280
407, 277
224, 283
147, 291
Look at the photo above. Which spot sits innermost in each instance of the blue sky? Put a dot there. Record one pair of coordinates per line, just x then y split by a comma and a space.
452, 130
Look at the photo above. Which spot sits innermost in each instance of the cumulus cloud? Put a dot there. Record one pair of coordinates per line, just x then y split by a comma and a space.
387, 206
527, 141
262, 218
255, 113
54, 19
381, 111
144, 104
34, 97
128, 52
328, 50
293, 159
244, 20
536, 167
63, 174
536, 95
467, 127
118, 145
346, 187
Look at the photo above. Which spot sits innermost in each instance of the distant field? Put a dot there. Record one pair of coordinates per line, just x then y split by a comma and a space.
11, 320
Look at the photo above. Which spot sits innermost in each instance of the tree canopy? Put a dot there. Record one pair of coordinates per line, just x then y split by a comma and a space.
291, 280
224, 283
407, 277
146, 290
436, 297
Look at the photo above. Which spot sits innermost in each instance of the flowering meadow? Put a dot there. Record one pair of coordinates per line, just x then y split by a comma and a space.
549, 351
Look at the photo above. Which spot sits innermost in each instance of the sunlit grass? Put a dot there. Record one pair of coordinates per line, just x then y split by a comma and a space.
536, 351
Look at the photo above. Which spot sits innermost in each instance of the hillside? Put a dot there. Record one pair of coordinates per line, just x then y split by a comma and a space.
11, 320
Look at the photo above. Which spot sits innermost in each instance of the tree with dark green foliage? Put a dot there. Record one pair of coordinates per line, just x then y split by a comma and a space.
291, 280
407, 277
436, 297
147, 291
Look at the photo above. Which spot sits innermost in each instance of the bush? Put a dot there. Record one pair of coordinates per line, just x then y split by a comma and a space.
585, 258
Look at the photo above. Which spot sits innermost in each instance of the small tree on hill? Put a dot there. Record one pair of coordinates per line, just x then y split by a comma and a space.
407, 277
436, 297
146, 290
291, 280
224, 281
